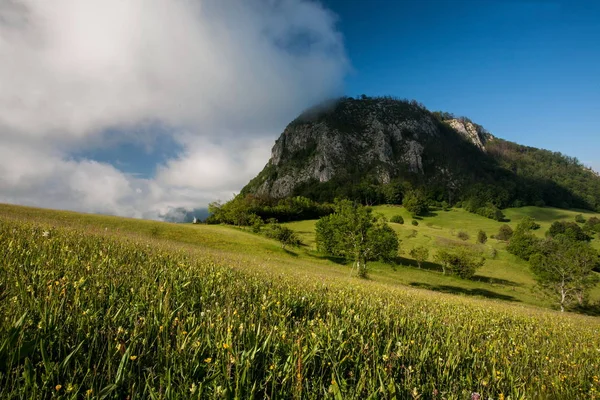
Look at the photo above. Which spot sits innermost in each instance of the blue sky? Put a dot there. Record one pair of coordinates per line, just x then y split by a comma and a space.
529, 71
146, 109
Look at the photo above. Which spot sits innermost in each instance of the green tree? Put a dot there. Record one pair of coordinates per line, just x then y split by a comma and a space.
569, 229
459, 261
564, 268
420, 254
353, 232
415, 202
523, 243
528, 224
284, 235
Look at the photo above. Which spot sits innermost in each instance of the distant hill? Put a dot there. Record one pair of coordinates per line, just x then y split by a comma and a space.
375, 149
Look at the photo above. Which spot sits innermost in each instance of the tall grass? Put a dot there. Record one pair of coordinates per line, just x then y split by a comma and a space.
90, 315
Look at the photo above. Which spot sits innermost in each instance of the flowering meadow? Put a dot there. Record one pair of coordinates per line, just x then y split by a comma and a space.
94, 313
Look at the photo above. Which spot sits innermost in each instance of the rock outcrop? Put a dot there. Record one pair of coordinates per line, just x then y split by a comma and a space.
377, 139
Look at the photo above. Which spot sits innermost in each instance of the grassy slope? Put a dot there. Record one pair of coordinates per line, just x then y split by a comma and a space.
442, 325
504, 277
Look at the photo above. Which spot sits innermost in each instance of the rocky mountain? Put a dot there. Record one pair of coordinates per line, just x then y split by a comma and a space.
368, 148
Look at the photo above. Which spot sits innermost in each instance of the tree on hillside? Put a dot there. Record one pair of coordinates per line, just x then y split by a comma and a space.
415, 202
523, 243
283, 234
353, 232
420, 254
564, 268
528, 224
569, 229
459, 261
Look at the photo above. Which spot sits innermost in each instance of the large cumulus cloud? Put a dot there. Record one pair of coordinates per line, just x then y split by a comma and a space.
221, 78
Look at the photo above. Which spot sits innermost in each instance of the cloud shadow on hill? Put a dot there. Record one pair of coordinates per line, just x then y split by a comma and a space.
464, 291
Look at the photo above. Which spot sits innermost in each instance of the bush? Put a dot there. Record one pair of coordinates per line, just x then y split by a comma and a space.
523, 244
528, 224
256, 223
460, 261
593, 224
414, 222
462, 235
415, 203
283, 234
579, 219
397, 219
568, 229
481, 237
505, 233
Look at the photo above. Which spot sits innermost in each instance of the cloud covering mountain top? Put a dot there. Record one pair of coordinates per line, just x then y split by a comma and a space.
220, 77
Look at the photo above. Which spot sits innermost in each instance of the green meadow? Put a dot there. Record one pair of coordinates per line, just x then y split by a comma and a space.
104, 307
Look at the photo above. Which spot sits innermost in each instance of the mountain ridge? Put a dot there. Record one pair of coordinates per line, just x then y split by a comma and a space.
384, 144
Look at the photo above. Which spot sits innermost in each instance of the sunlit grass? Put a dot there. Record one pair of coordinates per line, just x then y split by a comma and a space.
94, 306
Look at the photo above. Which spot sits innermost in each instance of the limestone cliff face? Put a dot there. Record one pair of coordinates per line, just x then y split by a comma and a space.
381, 139
470, 131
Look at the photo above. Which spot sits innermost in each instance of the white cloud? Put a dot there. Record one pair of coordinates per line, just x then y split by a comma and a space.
224, 76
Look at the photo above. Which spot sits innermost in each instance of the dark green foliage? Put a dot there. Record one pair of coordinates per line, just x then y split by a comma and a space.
528, 224
481, 237
481, 201
523, 243
462, 235
579, 219
256, 223
353, 232
568, 229
547, 178
397, 219
243, 209
415, 203
460, 261
564, 267
283, 234
420, 254
593, 224
504, 233
414, 222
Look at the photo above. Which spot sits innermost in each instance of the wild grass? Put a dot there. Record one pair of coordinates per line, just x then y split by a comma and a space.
504, 276
92, 312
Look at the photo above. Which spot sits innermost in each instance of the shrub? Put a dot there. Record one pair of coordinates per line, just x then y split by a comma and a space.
528, 224
505, 233
481, 237
568, 229
256, 223
283, 234
415, 203
459, 261
397, 219
462, 235
523, 244
579, 219
414, 222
